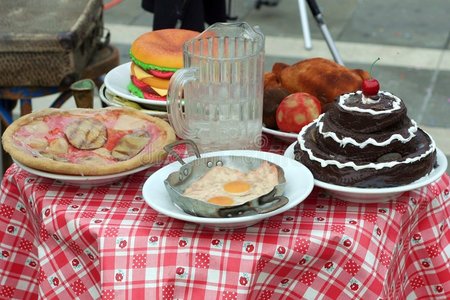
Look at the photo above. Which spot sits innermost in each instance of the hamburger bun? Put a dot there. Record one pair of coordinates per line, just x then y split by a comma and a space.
162, 48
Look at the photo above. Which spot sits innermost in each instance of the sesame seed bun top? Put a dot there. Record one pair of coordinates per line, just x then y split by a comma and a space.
162, 48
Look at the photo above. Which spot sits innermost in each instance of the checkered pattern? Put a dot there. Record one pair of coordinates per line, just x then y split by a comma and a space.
66, 242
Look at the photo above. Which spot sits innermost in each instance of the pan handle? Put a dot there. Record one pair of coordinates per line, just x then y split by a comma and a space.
276, 203
169, 149
266, 205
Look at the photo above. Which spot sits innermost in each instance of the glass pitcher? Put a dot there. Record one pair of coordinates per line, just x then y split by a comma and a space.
216, 99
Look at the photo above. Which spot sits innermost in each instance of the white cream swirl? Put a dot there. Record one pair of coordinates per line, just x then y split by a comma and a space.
395, 104
377, 166
370, 141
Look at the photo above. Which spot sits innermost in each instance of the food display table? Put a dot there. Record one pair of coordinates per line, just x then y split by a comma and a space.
66, 242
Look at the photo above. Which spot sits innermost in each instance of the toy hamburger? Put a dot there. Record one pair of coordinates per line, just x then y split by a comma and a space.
155, 57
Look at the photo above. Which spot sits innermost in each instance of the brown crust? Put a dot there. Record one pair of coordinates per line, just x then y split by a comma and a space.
149, 155
162, 47
321, 77
317, 76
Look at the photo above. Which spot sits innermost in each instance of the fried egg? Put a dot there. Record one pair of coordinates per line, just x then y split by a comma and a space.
227, 187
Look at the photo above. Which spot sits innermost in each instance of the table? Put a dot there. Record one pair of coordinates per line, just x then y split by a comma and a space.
66, 242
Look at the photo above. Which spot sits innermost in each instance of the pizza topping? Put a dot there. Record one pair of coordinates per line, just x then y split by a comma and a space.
127, 122
58, 146
130, 145
37, 127
36, 143
86, 134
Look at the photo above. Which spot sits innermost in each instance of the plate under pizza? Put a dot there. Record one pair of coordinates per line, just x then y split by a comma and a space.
87, 142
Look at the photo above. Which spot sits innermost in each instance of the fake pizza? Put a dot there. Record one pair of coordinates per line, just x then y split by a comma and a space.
87, 141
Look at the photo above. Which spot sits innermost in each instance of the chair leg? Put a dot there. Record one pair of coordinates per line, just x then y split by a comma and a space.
6, 108
6, 116
25, 106
62, 98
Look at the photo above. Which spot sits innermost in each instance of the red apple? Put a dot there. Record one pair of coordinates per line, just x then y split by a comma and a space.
123, 244
243, 280
296, 111
180, 270
119, 276
55, 281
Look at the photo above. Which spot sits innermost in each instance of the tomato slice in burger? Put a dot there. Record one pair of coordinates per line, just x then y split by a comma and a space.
161, 74
147, 90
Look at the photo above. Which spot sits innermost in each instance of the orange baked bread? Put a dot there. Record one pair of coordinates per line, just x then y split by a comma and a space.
318, 76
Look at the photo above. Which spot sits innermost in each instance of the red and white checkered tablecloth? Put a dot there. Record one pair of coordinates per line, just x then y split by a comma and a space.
64, 242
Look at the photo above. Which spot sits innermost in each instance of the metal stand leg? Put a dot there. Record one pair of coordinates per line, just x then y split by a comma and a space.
324, 29
305, 24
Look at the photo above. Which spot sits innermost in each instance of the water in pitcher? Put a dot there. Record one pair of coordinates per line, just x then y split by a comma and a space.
224, 117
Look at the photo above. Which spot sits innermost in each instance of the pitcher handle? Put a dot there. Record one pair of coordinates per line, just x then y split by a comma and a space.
175, 109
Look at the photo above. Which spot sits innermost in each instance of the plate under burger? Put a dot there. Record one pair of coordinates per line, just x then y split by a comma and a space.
108, 98
376, 195
117, 81
299, 184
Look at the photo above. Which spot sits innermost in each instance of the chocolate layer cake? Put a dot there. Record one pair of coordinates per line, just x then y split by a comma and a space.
366, 142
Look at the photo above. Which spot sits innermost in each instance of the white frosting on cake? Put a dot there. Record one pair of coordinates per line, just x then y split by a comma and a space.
377, 166
370, 141
395, 104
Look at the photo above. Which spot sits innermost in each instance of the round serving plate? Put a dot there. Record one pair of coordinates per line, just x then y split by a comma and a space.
84, 181
376, 195
110, 99
296, 190
284, 136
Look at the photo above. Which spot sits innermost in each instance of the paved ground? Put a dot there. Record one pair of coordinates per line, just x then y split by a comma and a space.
412, 39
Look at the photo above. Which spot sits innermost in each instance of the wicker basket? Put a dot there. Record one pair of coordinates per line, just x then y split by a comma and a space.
46, 43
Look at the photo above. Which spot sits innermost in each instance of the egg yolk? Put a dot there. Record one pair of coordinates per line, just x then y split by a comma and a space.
237, 187
221, 200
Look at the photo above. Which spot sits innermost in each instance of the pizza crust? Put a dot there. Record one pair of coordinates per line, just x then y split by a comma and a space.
36, 141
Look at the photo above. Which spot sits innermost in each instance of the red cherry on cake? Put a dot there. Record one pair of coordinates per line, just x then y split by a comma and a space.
370, 87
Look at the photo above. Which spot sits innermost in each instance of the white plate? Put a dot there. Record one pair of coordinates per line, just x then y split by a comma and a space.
375, 195
285, 136
107, 97
84, 181
299, 184
117, 81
